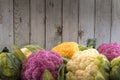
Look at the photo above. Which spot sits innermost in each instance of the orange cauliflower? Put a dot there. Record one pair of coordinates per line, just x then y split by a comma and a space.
66, 49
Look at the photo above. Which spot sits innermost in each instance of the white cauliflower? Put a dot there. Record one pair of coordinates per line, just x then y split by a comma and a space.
88, 65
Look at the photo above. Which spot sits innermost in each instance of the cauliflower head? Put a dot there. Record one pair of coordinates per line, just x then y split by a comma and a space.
66, 49
88, 65
35, 65
115, 69
110, 50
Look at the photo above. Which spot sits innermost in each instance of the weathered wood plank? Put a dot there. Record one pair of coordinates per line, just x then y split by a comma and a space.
6, 23
53, 23
86, 20
70, 20
103, 21
37, 22
21, 22
115, 31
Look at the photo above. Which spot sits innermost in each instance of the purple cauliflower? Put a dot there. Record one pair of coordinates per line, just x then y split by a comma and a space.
35, 64
110, 50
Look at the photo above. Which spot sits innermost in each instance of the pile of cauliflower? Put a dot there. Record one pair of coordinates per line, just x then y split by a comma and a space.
70, 61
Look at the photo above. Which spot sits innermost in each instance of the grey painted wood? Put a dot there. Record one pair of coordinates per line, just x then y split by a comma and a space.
103, 21
86, 20
21, 22
6, 24
53, 23
115, 31
70, 20
47, 22
37, 22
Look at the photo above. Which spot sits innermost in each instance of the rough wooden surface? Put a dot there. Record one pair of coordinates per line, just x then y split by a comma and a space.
6, 24
48, 22
70, 20
115, 30
103, 21
53, 23
37, 22
21, 22
86, 20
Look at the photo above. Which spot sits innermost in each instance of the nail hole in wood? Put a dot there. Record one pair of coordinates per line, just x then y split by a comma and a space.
59, 30
0, 19
80, 34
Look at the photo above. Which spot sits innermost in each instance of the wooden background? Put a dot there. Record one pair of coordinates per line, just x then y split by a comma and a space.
47, 22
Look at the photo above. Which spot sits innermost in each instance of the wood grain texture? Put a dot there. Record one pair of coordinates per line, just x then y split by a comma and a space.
86, 20
115, 31
21, 22
37, 22
70, 20
6, 24
53, 23
103, 21
48, 22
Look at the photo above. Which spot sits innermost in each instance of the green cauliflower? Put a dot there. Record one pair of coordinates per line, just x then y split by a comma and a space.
88, 65
115, 69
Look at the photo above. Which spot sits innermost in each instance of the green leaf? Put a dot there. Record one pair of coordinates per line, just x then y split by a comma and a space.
47, 75
33, 48
62, 70
65, 60
61, 74
19, 54
81, 47
91, 42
